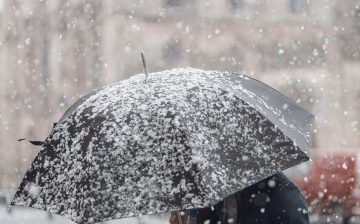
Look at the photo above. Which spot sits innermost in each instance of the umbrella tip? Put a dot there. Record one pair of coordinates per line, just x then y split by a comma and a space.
37, 143
144, 64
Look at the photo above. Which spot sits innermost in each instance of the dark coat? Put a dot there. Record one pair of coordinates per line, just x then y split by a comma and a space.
275, 200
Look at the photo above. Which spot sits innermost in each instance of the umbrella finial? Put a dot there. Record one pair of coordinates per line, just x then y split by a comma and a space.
144, 64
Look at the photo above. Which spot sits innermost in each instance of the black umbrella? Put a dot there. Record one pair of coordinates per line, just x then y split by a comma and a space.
178, 139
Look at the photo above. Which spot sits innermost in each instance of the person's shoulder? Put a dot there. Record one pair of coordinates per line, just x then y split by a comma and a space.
282, 182
277, 182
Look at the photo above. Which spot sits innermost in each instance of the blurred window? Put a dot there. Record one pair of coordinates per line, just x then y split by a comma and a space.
356, 12
174, 2
1, 5
173, 50
237, 4
297, 6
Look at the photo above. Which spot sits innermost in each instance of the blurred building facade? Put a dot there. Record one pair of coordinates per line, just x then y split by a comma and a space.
52, 52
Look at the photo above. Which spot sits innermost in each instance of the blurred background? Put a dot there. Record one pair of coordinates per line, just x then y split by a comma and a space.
53, 52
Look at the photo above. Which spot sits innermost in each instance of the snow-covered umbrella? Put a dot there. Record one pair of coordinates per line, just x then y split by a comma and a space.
176, 139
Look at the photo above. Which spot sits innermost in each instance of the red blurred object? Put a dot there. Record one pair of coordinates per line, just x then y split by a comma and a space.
331, 183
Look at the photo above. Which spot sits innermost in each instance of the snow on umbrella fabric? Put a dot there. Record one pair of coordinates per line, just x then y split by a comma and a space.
182, 138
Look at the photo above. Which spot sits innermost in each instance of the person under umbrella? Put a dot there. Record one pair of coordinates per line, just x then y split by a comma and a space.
275, 200
170, 140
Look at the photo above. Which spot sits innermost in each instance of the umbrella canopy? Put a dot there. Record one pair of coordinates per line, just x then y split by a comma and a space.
181, 138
